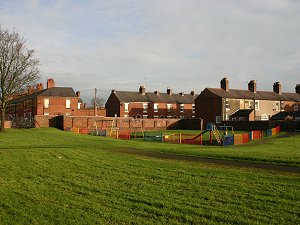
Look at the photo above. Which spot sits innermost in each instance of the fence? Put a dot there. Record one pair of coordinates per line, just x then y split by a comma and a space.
178, 138
238, 139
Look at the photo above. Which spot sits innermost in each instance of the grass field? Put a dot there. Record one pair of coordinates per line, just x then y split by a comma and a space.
53, 177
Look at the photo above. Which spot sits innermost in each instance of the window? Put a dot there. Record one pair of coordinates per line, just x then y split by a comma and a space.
218, 119
46, 114
68, 103
145, 116
126, 107
277, 106
155, 107
181, 108
145, 107
156, 117
46, 103
281, 106
256, 105
193, 108
79, 105
169, 107
227, 105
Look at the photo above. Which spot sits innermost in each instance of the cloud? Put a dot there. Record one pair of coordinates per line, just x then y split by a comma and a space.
188, 45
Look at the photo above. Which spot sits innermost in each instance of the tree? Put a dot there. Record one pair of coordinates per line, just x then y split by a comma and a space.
99, 101
18, 68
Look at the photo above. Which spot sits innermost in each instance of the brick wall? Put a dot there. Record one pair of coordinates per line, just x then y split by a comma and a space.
122, 123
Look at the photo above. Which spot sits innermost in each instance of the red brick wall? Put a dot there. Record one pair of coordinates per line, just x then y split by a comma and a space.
112, 106
90, 112
122, 123
57, 105
208, 107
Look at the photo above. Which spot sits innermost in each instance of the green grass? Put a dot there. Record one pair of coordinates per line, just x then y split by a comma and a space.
53, 177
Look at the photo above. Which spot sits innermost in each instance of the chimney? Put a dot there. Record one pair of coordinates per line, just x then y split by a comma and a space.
142, 90
113, 91
225, 84
297, 88
277, 87
181, 93
156, 92
169, 91
50, 83
31, 90
252, 86
84, 105
78, 94
39, 87
192, 93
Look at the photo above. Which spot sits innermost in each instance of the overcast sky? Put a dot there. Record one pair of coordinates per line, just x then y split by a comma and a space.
183, 44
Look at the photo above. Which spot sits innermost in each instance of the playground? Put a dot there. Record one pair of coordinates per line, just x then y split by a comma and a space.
212, 135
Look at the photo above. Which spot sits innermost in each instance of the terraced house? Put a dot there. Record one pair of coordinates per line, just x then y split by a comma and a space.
224, 104
49, 101
142, 104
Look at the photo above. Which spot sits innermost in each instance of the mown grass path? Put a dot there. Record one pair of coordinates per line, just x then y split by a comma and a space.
53, 177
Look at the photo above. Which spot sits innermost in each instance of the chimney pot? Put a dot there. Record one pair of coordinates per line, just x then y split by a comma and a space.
113, 91
225, 84
156, 92
181, 93
169, 91
252, 86
78, 94
142, 90
50, 83
192, 93
277, 87
39, 87
297, 88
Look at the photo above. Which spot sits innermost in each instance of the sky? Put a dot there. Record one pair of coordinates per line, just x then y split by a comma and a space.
182, 44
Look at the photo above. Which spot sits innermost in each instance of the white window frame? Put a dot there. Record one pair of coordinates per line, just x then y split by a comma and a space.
145, 107
193, 108
256, 105
277, 106
182, 108
46, 103
126, 107
155, 107
169, 107
79, 105
218, 119
68, 103
227, 106
145, 116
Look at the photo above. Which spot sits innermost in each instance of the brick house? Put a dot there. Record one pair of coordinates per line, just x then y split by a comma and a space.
224, 104
144, 104
51, 101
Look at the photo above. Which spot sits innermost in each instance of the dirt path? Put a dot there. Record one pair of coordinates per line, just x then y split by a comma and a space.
231, 163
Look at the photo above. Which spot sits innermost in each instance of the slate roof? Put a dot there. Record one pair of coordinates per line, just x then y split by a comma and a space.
259, 95
242, 112
129, 96
284, 115
50, 92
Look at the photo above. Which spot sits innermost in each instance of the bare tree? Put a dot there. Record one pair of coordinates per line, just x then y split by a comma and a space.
99, 101
18, 68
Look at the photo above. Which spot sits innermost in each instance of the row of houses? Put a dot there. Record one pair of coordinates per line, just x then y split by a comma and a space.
212, 104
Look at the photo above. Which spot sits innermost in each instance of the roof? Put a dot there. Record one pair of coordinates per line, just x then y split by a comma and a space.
285, 114
243, 112
50, 92
128, 96
259, 95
